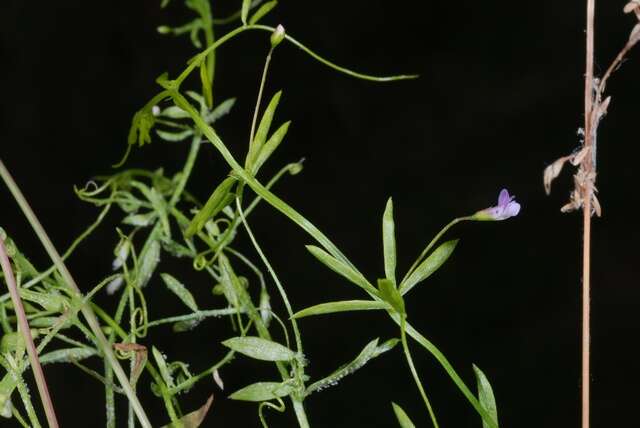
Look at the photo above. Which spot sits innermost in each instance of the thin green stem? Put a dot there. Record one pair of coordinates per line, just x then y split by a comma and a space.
439, 356
431, 244
23, 326
104, 345
275, 278
414, 372
298, 406
230, 35
254, 120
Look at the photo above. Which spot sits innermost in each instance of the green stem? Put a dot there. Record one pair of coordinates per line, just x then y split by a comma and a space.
414, 372
439, 356
298, 406
256, 186
432, 243
296, 43
104, 345
275, 278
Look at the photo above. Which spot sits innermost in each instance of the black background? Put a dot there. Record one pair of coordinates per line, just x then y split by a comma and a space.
499, 97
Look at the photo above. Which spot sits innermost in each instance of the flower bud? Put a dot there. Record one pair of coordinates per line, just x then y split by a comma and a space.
277, 36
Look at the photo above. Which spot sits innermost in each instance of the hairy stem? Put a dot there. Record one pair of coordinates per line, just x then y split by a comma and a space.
23, 325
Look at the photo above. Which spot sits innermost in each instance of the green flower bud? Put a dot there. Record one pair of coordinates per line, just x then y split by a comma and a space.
277, 36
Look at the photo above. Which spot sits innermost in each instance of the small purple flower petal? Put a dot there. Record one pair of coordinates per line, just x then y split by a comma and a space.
504, 198
507, 207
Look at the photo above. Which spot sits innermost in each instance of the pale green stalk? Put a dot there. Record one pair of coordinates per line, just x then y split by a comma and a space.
23, 327
414, 372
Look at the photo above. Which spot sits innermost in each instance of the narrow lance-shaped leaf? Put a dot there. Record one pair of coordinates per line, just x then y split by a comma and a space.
193, 419
262, 132
402, 417
341, 268
217, 201
262, 11
370, 351
390, 294
342, 306
262, 391
150, 258
485, 395
246, 5
429, 265
259, 348
51, 301
270, 146
162, 366
221, 109
389, 242
67, 355
174, 136
180, 290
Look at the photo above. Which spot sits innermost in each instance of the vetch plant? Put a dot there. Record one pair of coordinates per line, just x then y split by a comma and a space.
160, 220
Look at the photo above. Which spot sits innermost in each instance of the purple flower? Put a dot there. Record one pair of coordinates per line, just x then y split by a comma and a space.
507, 207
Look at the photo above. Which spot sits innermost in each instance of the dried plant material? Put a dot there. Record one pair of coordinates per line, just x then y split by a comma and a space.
140, 355
634, 36
633, 6
596, 205
604, 105
193, 419
218, 380
552, 171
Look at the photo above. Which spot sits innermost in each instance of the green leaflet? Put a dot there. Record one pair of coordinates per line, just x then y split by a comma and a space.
263, 130
246, 5
341, 268
67, 355
262, 11
221, 109
150, 258
402, 417
219, 199
180, 290
428, 265
259, 348
162, 367
389, 242
11, 341
262, 391
50, 300
370, 351
485, 395
341, 306
390, 294
270, 146
174, 136
142, 220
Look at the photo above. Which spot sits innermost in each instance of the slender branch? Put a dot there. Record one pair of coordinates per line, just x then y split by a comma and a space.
586, 211
88, 313
23, 326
